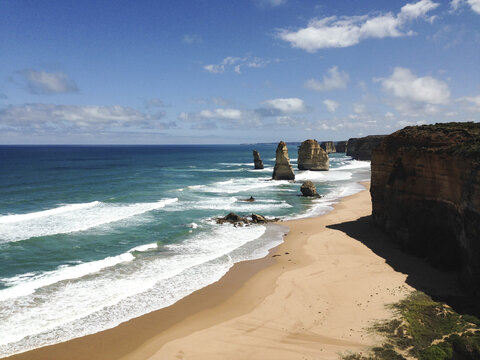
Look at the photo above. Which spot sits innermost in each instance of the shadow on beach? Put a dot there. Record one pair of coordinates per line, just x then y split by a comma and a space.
440, 285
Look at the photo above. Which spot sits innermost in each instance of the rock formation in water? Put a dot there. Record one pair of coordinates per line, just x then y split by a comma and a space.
341, 146
426, 192
312, 157
283, 170
257, 161
237, 220
308, 189
361, 148
328, 146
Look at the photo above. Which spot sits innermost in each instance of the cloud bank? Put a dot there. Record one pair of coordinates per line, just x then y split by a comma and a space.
42, 82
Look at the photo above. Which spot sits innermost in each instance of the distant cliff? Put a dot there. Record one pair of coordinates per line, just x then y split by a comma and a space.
341, 146
426, 192
361, 148
328, 146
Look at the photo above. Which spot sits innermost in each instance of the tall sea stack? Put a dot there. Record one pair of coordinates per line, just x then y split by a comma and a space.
426, 192
312, 157
257, 161
328, 146
283, 170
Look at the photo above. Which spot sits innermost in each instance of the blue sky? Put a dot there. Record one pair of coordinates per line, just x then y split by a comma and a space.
244, 71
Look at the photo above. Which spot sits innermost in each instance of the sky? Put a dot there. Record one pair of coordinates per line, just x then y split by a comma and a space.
236, 71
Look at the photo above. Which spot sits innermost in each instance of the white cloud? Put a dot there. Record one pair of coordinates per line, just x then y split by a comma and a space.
331, 105
339, 32
236, 64
226, 118
359, 108
285, 106
474, 4
333, 80
42, 82
191, 39
270, 3
404, 85
473, 102
72, 118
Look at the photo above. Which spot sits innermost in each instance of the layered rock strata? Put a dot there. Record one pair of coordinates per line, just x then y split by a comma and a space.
361, 148
341, 146
425, 191
312, 157
257, 160
283, 170
328, 146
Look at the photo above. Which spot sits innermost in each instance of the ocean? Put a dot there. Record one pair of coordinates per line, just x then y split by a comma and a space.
92, 236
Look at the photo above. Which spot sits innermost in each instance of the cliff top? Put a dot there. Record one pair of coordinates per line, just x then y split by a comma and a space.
456, 138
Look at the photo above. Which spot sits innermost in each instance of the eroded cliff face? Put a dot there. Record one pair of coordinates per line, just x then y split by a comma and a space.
426, 192
328, 146
361, 148
312, 157
282, 170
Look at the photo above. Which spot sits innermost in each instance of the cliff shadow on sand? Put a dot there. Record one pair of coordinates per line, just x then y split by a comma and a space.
440, 285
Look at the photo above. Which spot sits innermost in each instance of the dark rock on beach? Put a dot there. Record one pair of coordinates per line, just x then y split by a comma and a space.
308, 189
312, 157
257, 160
237, 220
283, 170
425, 191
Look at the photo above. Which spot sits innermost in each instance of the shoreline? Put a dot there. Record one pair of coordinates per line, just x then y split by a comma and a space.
243, 291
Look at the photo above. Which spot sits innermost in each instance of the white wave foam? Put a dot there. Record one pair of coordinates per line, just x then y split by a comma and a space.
234, 186
71, 218
352, 164
323, 176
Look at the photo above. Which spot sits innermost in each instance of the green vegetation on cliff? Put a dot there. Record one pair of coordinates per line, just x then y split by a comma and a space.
427, 330
456, 138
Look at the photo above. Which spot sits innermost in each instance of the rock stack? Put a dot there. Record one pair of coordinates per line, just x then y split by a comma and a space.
308, 189
328, 146
257, 161
312, 157
341, 146
283, 170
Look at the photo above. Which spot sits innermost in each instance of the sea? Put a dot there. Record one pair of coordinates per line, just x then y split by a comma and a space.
92, 236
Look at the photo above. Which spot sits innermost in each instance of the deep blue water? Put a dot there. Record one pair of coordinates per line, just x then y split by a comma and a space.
91, 236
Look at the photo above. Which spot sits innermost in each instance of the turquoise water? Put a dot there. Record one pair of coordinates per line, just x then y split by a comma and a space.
93, 236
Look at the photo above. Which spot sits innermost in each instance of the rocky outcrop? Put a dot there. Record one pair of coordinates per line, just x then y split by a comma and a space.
312, 157
328, 146
308, 189
426, 192
237, 220
361, 148
257, 161
341, 146
283, 170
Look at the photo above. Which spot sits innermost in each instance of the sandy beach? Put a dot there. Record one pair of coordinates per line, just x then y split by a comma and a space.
315, 296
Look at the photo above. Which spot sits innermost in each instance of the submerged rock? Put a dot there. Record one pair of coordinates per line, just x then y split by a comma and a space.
283, 170
309, 189
250, 199
425, 191
237, 220
328, 146
312, 157
257, 161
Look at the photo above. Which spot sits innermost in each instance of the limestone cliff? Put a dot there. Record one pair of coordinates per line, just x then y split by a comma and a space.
361, 148
426, 192
328, 146
283, 170
312, 157
341, 146
257, 160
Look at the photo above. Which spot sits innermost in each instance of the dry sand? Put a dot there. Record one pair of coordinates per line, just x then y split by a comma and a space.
314, 297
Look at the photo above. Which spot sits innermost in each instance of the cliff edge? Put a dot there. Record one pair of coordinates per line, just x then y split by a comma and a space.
425, 191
